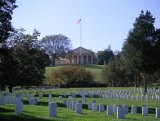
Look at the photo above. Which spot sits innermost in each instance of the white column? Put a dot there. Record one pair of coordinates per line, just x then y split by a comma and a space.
91, 59
77, 59
82, 62
86, 59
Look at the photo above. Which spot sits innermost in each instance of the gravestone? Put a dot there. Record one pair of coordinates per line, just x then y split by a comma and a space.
19, 107
94, 107
144, 111
125, 108
133, 109
65, 102
78, 108
101, 108
33, 101
109, 110
89, 106
60, 97
2, 102
120, 113
115, 108
157, 112
52, 109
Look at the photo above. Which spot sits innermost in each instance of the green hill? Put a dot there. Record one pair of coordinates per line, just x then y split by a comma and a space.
94, 69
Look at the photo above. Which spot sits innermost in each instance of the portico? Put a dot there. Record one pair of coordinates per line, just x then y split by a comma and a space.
81, 55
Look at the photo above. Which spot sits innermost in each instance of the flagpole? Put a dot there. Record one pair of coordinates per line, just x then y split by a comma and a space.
80, 40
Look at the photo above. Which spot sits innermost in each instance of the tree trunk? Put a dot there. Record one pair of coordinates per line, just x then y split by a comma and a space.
145, 83
10, 88
136, 80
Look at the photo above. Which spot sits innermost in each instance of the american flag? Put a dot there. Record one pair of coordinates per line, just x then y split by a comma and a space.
79, 21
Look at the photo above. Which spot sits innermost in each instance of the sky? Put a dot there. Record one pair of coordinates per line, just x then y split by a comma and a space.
104, 22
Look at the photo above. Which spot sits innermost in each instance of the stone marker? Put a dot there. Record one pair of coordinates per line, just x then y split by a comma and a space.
89, 106
101, 108
120, 113
115, 108
78, 108
157, 112
133, 109
94, 107
144, 111
109, 110
19, 107
52, 109
2, 102
33, 101
125, 108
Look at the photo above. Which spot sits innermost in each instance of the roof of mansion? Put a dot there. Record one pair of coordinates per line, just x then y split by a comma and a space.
83, 50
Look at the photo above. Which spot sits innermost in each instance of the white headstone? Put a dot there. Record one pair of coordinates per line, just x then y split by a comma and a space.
125, 108
2, 102
52, 109
101, 108
65, 102
157, 112
78, 108
19, 107
115, 108
120, 113
70, 105
60, 97
89, 106
109, 110
94, 107
144, 111
133, 109
33, 101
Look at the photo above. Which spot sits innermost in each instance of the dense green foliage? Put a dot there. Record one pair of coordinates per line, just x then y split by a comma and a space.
103, 57
71, 75
139, 59
6, 11
95, 70
23, 63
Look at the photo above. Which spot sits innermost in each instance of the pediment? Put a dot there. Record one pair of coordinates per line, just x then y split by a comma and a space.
83, 50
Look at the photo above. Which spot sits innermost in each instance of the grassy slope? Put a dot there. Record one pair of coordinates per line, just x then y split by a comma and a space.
39, 112
95, 70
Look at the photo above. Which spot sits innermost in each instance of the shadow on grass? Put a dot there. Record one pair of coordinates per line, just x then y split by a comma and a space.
6, 117
139, 110
40, 103
6, 110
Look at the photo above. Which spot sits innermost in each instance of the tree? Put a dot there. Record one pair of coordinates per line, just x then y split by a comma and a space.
25, 63
105, 56
131, 61
112, 74
56, 46
142, 38
6, 10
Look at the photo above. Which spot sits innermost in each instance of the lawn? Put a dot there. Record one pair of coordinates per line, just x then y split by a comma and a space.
94, 69
39, 112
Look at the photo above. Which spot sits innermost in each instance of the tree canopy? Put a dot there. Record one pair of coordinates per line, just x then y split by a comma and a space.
56, 46
6, 11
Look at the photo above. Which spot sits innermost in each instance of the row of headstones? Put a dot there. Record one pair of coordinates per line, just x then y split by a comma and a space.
114, 94
123, 91
77, 107
9, 100
120, 110
132, 97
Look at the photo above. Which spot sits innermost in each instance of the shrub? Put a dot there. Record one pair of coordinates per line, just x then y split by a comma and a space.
71, 75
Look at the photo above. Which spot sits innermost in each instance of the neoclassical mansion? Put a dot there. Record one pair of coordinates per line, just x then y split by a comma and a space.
79, 55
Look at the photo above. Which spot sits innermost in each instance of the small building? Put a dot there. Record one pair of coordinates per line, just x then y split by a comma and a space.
81, 55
